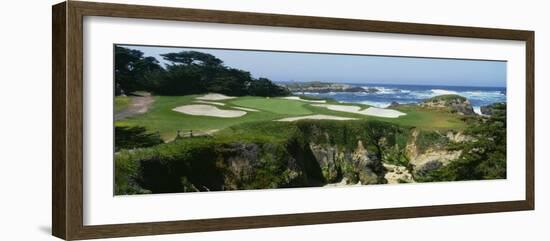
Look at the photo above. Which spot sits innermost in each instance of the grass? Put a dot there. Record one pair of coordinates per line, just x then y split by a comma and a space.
308, 97
121, 102
264, 131
161, 118
427, 119
274, 105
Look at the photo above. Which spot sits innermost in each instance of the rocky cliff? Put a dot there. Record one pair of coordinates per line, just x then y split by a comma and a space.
489, 110
454, 103
432, 152
317, 154
356, 166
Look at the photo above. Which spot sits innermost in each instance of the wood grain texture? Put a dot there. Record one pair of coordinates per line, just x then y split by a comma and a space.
530, 120
121, 230
67, 196
280, 20
74, 110
59, 191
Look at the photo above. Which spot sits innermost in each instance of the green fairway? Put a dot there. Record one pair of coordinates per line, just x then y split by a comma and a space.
274, 105
427, 119
161, 118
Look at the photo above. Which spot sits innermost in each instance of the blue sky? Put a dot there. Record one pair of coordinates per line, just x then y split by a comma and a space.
284, 66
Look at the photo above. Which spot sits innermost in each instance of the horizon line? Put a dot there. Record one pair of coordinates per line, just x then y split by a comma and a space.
375, 83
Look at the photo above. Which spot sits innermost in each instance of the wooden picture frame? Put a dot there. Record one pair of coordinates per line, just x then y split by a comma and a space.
67, 152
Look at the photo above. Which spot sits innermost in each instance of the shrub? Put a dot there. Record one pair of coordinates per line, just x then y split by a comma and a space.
134, 137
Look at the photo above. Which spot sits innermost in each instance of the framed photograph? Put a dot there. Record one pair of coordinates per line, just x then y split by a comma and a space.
171, 120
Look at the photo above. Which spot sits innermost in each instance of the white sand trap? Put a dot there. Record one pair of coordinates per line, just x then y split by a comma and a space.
300, 99
208, 110
215, 96
209, 102
316, 117
372, 111
344, 108
381, 112
246, 109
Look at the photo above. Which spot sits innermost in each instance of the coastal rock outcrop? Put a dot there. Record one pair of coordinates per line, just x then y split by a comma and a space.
223, 167
428, 158
489, 110
433, 159
245, 161
397, 174
394, 104
370, 90
322, 87
316, 154
454, 103
354, 165
457, 137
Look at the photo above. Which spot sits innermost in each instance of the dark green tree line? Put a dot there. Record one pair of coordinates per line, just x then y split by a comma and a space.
187, 72
133, 71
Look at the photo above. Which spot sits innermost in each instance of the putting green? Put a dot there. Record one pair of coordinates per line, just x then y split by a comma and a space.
274, 105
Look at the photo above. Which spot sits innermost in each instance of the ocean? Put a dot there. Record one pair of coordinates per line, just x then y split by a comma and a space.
406, 94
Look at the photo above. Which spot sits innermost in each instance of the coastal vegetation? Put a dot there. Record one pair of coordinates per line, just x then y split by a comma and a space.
197, 125
482, 158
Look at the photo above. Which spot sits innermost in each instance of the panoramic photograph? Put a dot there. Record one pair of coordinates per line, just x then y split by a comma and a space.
202, 119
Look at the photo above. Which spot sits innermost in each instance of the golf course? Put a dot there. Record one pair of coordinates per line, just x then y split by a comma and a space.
195, 124
163, 117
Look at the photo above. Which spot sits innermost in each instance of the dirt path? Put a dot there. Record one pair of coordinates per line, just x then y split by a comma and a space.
138, 105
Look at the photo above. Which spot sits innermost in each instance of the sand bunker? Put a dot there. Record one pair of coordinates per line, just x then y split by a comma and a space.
372, 111
208, 110
246, 109
214, 96
316, 117
209, 102
388, 113
300, 99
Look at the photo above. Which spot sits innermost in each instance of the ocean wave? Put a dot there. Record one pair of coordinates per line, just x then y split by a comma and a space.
422, 94
385, 90
486, 96
385, 95
382, 90
478, 94
305, 93
443, 92
477, 110
483, 93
